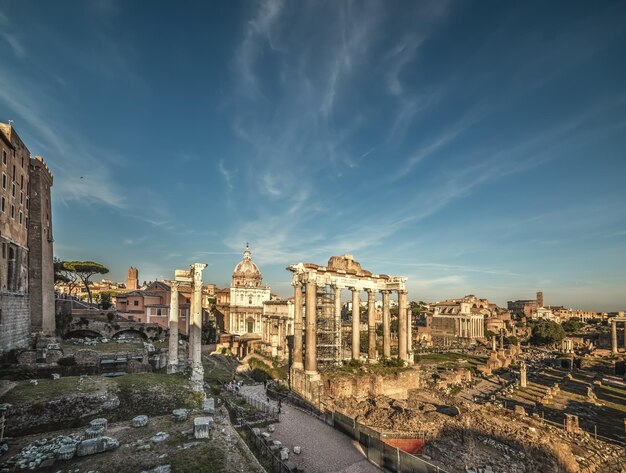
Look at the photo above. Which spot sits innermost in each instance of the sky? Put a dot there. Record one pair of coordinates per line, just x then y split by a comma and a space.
473, 147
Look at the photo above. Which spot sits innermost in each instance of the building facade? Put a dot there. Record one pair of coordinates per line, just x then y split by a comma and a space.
278, 324
247, 295
26, 263
460, 319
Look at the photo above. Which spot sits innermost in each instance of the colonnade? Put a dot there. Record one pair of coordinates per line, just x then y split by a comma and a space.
470, 327
308, 332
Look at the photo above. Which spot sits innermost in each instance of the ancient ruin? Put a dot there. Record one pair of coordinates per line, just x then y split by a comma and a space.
319, 343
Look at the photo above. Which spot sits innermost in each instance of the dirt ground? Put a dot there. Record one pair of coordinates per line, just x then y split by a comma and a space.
224, 452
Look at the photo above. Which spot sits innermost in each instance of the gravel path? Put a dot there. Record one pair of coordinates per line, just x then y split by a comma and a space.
324, 449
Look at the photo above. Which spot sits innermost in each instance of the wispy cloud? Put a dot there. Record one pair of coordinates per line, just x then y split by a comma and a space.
16, 44
226, 174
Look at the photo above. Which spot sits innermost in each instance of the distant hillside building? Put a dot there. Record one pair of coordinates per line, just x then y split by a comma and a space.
26, 263
526, 307
132, 280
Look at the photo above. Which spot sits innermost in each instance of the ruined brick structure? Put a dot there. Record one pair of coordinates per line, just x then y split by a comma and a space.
40, 258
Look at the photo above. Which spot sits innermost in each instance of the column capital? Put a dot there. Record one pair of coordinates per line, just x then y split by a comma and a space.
354, 289
403, 291
174, 285
385, 291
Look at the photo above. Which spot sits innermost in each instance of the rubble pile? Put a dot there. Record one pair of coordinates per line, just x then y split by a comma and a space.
459, 434
44, 452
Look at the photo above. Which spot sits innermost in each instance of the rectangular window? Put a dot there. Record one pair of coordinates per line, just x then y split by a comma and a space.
13, 189
22, 198
14, 172
22, 182
21, 217
4, 157
4, 181
22, 160
3, 204
12, 211
135, 302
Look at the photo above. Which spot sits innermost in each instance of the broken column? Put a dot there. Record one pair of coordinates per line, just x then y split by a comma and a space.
172, 361
522, 375
197, 371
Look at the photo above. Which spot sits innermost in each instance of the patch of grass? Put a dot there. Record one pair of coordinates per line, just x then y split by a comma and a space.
208, 460
46, 389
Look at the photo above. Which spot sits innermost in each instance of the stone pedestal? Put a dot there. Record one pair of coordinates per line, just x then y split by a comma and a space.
306, 385
202, 427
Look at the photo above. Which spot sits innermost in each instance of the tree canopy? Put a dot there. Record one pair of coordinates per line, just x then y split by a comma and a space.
547, 332
84, 270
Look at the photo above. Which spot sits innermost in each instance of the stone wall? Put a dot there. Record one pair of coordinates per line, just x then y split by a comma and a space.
395, 385
14, 321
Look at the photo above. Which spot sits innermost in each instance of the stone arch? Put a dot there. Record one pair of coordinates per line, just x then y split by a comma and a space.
82, 333
130, 332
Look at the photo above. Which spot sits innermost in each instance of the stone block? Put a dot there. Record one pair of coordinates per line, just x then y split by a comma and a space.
100, 422
265, 435
27, 357
277, 443
139, 421
180, 415
96, 445
519, 409
256, 431
271, 428
66, 452
94, 432
159, 437
284, 454
297, 450
53, 356
56, 376
209, 406
202, 427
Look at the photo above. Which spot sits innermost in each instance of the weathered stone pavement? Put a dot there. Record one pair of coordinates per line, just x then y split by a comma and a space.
324, 449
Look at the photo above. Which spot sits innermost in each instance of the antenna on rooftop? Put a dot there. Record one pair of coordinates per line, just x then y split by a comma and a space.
11, 122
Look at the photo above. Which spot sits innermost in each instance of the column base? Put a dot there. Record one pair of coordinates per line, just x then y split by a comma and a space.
296, 365
172, 367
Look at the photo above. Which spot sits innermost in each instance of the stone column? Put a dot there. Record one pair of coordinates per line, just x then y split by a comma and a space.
172, 359
297, 326
402, 351
522, 373
338, 339
310, 362
197, 371
386, 325
493, 343
356, 324
371, 324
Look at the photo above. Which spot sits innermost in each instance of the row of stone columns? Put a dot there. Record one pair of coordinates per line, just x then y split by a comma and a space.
470, 328
310, 302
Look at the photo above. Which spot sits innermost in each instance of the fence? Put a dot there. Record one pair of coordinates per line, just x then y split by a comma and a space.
379, 452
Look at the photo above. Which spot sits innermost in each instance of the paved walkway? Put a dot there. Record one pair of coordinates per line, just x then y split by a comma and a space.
324, 449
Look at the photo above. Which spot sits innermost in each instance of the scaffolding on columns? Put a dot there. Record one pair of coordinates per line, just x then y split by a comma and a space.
328, 329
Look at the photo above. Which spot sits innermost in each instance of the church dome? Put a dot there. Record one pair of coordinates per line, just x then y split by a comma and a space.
246, 273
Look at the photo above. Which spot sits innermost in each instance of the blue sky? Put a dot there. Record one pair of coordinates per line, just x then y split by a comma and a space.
474, 147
